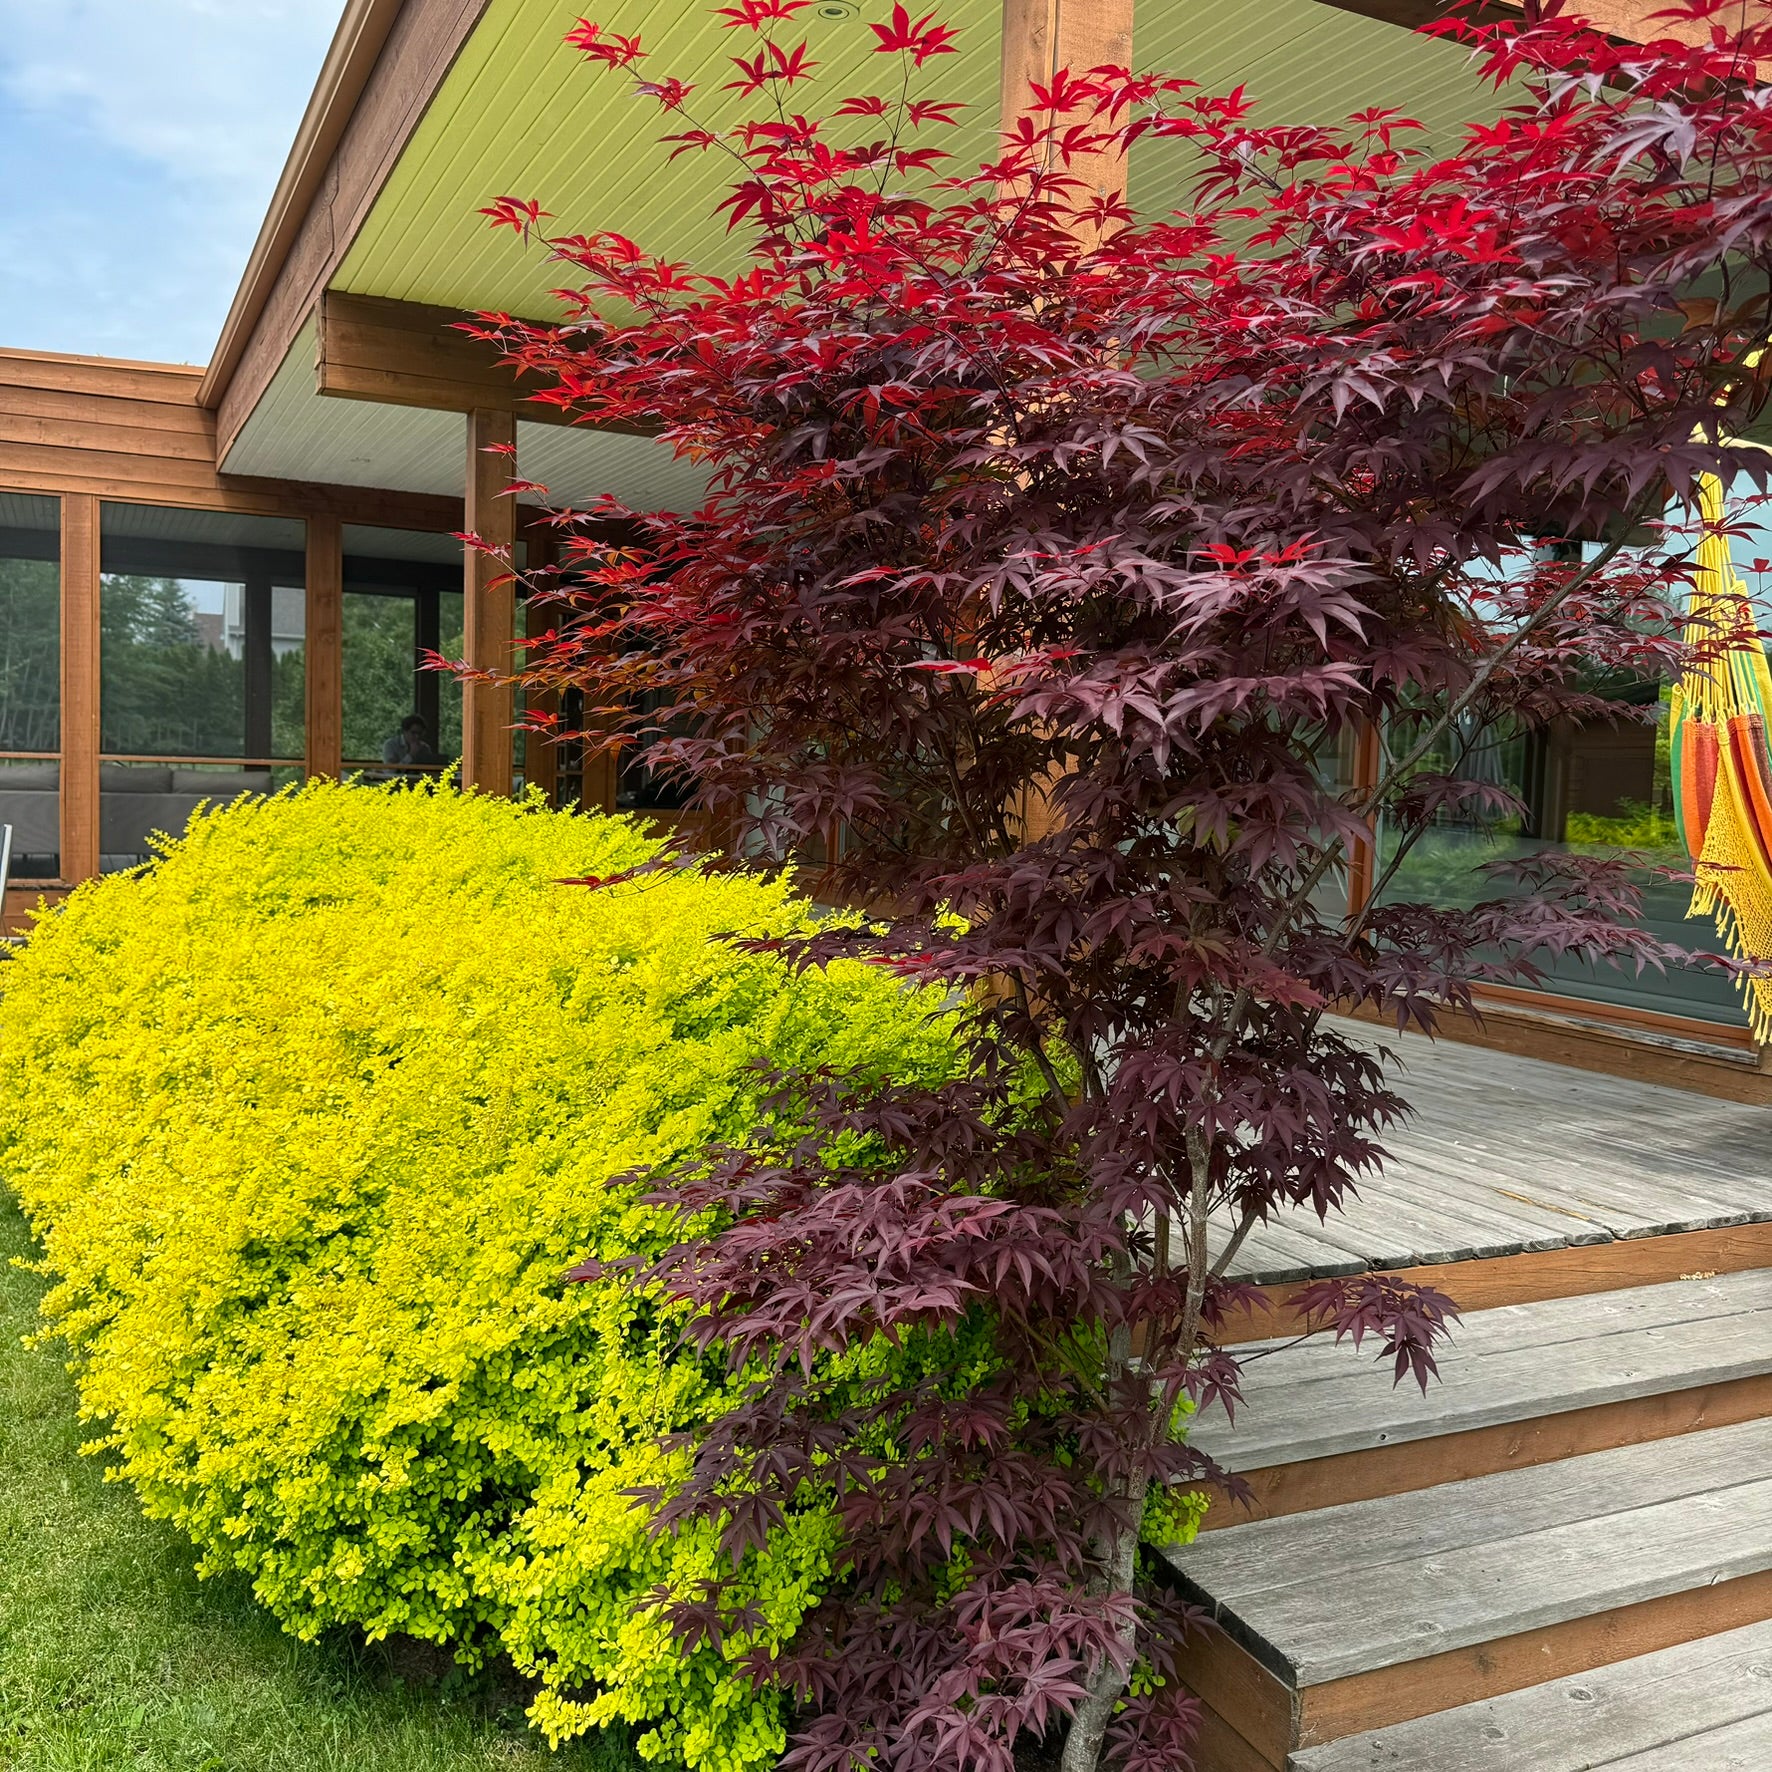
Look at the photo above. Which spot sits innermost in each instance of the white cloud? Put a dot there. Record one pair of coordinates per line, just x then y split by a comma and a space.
140, 141
209, 89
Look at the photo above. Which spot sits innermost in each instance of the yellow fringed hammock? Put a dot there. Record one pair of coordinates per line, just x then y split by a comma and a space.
1722, 771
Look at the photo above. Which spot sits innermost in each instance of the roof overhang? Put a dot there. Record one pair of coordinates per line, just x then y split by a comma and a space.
338, 361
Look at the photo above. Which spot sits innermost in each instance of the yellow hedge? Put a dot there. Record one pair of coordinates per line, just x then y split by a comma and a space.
310, 1117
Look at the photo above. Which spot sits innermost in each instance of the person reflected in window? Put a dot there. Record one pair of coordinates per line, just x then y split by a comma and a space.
410, 749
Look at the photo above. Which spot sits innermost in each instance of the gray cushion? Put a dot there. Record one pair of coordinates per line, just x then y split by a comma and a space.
35, 817
29, 777
221, 784
134, 778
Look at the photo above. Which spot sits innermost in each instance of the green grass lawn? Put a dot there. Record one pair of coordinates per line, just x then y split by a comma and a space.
114, 1655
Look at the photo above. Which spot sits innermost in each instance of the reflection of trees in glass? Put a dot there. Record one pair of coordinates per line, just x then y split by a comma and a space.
379, 679
30, 658
289, 707
377, 671
452, 643
166, 691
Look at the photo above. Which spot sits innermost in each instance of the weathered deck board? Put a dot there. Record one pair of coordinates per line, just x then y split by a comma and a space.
1507, 1154
1316, 1399
1685, 1709
1471, 1562
1738, 1747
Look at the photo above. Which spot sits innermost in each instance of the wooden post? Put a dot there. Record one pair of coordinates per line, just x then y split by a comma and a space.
324, 648
1362, 860
258, 658
1042, 36
489, 614
541, 757
81, 711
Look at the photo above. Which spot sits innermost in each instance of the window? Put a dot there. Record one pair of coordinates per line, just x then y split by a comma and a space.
30, 682
1600, 788
402, 599
201, 666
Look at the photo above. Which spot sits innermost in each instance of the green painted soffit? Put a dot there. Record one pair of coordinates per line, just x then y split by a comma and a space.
1303, 61
522, 115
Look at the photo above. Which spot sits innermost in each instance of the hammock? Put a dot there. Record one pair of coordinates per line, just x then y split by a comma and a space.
1722, 772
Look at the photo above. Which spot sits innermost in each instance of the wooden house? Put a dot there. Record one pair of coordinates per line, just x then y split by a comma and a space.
218, 579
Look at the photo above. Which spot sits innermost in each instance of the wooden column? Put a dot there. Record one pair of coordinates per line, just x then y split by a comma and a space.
541, 757
259, 659
1042, 36
324, 648
1362, 861
80, 688
489, 613
599, 783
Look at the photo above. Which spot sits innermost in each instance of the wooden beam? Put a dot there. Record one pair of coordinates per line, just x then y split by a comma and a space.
1489, 1282
489, 611
1392, 1695
541, 759
401, 353
80, 688
1479, 1452
1042, 36
325, 676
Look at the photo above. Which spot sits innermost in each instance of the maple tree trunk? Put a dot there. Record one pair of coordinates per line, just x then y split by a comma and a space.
1107, 1685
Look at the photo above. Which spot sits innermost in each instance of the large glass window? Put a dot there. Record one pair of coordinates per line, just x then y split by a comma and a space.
1595, 789
30, 682
402, 600
1601, 787
201, 665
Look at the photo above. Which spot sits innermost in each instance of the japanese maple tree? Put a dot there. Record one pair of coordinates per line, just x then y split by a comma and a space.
1052, 554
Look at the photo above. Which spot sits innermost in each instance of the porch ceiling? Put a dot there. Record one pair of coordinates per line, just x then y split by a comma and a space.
1302, 61
518, 113
294, 434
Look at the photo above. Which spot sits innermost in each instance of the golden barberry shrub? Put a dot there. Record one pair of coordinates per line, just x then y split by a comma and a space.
311, 1115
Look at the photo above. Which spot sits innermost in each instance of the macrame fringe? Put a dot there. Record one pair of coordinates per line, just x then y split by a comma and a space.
1722, 773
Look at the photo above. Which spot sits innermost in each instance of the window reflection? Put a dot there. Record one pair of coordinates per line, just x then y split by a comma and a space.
201, 666
30, 682
402, 601
1601, 788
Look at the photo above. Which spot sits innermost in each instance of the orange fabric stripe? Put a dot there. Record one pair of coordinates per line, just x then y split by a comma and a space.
1699, 756
1747, 738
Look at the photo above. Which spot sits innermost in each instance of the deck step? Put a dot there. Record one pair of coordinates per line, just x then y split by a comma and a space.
1704, 1706
1519, 1385
1510, 1156
1370, 1613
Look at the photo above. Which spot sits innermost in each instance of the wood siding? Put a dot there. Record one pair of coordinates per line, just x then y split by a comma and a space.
134, 431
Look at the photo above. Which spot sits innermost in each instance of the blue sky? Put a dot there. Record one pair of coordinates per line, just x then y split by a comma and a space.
140, 141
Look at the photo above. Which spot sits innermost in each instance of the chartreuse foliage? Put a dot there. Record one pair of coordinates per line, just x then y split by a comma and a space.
311, 1117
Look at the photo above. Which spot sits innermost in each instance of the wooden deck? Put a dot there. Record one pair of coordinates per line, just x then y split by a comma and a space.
1507, 1154
1561, 1557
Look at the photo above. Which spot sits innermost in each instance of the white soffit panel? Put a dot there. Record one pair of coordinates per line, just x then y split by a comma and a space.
296, 434
578, 466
